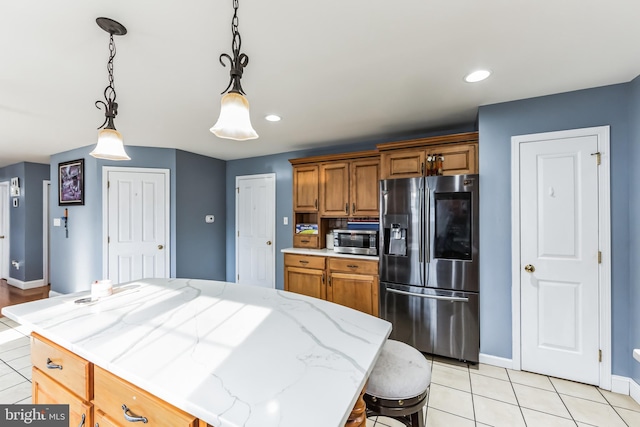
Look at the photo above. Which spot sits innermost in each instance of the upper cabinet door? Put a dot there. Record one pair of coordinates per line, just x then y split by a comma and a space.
365, 176
459, 159
334, 189
305, 188
403, 163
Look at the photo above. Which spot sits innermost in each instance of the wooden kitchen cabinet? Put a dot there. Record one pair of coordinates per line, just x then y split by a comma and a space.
346, 281
408, 159
305, 274
112, 392
354, 283
61, 377
349, 189
45, 390
305, 188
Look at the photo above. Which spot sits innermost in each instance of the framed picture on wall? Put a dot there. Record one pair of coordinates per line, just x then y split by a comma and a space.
71, 183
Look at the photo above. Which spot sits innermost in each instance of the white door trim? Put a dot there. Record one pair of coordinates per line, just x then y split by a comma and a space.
45, 231
273, 197
4, 268
604, 241
105, 213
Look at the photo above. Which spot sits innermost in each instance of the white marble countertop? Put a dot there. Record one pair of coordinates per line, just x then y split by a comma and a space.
228, 354
326, 252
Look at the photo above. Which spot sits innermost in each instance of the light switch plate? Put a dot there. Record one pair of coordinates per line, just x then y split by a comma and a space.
285, 220
57, 222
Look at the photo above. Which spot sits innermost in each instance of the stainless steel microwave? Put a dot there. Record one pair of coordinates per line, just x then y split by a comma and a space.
359, 242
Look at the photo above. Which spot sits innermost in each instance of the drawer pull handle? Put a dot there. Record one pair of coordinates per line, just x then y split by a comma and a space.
82, 421
132, 418
51, 365
304, 262
352, 266
305, 240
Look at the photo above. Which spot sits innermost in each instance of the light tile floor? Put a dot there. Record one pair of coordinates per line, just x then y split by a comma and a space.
460, 395
464, 395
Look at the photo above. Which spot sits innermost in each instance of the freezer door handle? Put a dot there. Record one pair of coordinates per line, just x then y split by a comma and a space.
438, 297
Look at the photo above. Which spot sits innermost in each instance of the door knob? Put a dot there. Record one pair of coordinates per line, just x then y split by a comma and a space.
1, 237
529, 268
268, 242
160, 247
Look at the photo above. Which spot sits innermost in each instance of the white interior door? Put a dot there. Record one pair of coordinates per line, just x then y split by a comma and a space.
4, 230
137, 224
255, 230
559, 256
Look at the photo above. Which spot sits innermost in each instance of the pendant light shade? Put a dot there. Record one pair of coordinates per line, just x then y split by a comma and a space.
110, 146
234, 121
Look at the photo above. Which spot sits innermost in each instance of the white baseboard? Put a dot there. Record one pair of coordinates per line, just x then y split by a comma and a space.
634, 390
25, 285
620, 384
500, 362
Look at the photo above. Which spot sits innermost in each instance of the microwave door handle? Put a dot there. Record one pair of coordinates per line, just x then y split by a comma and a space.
436, 297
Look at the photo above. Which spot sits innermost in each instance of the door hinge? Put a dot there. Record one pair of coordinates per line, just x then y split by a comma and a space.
599, 355
108, 184
238, 188
238, 277
599, 257
598, 157
108, 240
238, 233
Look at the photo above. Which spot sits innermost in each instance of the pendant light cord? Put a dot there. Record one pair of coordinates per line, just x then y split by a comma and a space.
239, 60
110, 106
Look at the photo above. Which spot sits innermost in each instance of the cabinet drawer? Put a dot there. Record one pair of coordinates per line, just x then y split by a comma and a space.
47, 391
111, 393
307, 261
353, 265
72, 371
306, 241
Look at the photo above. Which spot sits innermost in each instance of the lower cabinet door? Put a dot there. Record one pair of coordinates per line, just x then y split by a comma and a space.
122, 403
47, 390
357, 291
305, 281
102, 420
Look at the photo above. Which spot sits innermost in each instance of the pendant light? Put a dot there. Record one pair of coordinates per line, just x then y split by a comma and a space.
110, 146
234, 121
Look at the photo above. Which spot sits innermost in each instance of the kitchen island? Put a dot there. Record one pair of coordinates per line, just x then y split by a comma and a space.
227, 354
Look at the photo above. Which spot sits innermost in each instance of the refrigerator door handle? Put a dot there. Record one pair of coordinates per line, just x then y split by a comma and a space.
438, 297
421, 231
427, 226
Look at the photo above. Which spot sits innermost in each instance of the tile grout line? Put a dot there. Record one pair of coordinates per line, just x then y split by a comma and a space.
611, 405
562, 400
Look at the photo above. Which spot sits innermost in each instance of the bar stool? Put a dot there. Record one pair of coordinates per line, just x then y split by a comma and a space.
398, 384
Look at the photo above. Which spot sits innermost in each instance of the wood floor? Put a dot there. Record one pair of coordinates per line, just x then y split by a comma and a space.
10, 295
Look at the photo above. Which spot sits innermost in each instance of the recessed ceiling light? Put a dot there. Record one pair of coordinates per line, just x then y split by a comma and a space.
477, 76
272, 118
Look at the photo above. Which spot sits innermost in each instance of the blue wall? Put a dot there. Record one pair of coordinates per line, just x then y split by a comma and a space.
497, 124
77, 261
26, 220
200, 190
634, 224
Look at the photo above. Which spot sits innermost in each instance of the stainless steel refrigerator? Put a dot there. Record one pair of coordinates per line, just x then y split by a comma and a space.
429, 259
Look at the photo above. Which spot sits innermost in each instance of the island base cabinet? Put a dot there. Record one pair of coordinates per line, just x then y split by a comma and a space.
47, 391
111, 393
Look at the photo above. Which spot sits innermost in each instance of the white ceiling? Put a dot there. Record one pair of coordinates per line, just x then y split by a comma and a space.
336, 71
